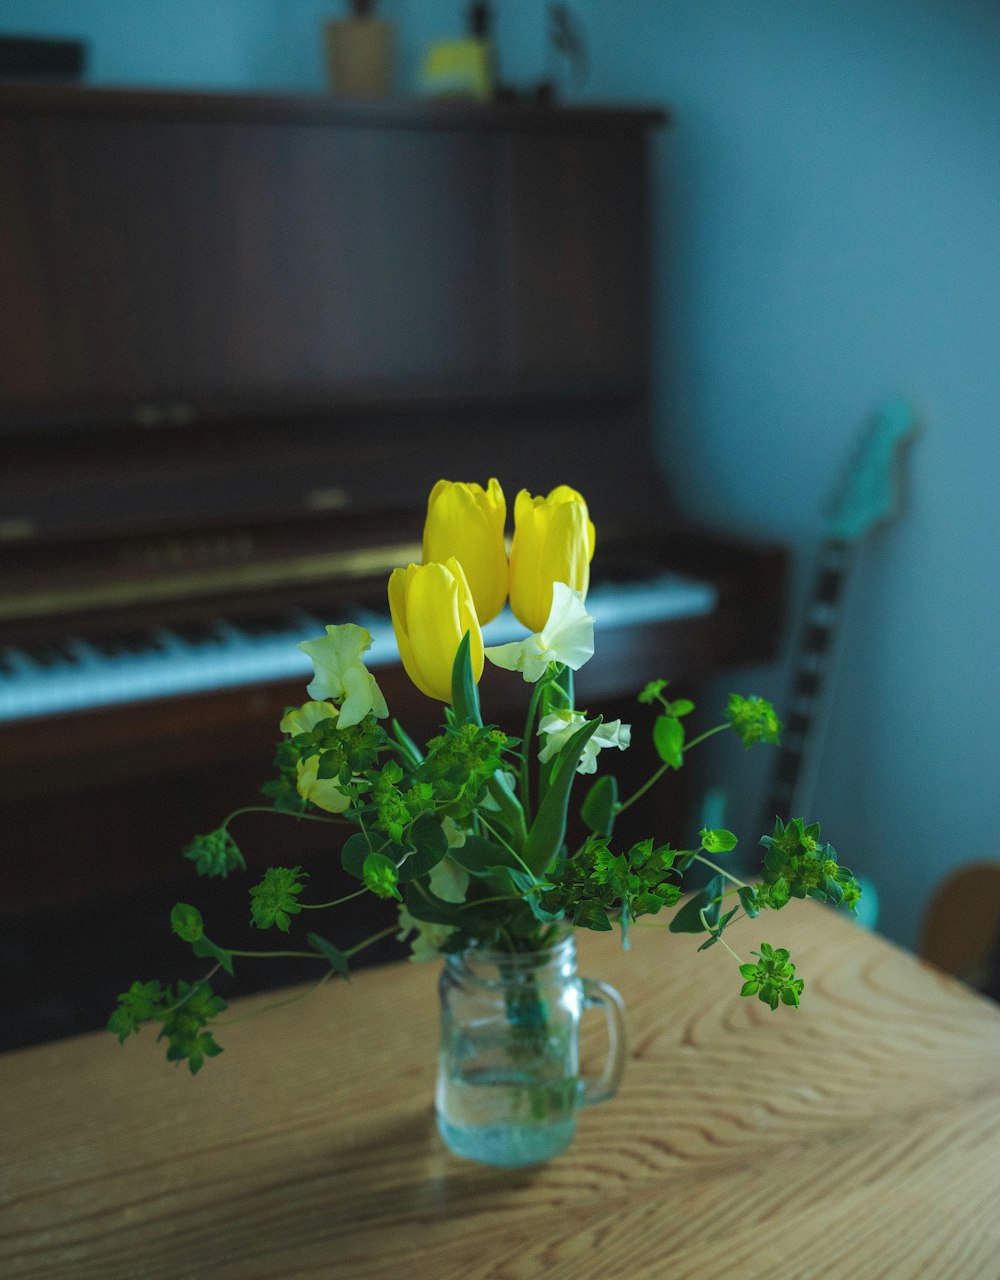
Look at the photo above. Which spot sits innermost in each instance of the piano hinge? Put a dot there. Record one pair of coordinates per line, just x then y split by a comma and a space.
325, 567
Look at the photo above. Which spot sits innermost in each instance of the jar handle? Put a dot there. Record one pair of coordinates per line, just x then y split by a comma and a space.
599, 995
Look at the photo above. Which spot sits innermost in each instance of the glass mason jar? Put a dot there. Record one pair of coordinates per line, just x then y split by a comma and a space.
509, 1082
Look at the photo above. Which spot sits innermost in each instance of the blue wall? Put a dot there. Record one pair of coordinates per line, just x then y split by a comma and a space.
828, 227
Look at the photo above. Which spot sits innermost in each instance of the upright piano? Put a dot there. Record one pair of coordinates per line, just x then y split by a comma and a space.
240, 338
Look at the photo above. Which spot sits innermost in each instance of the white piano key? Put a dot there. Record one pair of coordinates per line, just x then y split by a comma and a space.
226, 656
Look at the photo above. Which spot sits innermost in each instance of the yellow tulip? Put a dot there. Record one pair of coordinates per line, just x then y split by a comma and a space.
466, 521
432, 609
553, 542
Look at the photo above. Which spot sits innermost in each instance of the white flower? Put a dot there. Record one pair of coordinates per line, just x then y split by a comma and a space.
449, 881
307, 717
560, 726
324, 793
453, 833
430, 937
567, 637
342, 676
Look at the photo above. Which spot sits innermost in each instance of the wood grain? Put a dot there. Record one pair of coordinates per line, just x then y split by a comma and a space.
856, 1138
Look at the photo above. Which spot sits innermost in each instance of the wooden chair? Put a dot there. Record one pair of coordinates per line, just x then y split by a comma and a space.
961, 926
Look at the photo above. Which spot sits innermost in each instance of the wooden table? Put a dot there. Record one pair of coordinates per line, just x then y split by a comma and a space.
858, 1137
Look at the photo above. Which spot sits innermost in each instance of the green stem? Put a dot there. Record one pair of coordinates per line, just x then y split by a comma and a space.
718, 936
510, 809
529, 728
500, 840
274, 955
636, 795
320, 906
263, 808
275, 1004
500, 897
376, 937
715, 867
707, 734
651, 782
207, 978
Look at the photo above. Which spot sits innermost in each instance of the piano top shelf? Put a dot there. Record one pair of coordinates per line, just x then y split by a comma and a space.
324, 109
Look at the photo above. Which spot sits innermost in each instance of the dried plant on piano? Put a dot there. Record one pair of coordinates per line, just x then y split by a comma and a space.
465, 836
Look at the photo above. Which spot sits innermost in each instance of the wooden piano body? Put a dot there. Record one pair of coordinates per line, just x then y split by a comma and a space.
241, 337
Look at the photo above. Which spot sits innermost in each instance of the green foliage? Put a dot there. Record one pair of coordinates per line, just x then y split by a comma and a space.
668, 738
183, 1024
718, 840
283, 791
797, 865
549, 827
596, 883
215, 854
464, 690
459, 766
653, 692
141, 1003
772, 979
186, 922
753, 720
512, 874
336, 958
380, 876
701, 912
275, 898
600, 805
183, 1012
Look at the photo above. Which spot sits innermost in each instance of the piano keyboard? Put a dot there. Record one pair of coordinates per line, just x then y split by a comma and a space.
76, 675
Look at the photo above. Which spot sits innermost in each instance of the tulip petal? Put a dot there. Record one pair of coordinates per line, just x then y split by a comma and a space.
432, 609
466, 522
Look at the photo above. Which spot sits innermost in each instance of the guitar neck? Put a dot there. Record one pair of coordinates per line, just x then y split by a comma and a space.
794, 771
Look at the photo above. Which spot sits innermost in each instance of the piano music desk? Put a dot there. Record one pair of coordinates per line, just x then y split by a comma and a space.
858, 1137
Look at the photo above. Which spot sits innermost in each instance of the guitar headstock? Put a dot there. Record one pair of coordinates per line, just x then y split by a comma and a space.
870, 493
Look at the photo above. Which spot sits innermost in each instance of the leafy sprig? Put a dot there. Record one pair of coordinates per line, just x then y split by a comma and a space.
772, 979
468, 835
275, 899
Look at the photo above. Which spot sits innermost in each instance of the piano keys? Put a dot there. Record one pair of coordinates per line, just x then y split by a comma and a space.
78, 674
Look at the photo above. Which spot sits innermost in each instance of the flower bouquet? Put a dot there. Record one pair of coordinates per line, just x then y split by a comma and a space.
465, 836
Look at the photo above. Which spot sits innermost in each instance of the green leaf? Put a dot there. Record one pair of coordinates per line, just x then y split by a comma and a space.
549, 828
464, 694
652, 691
430, 844
273, 900
215, 854
591, 915
668, 738
207, 949
380, 876
142, 1002
424, 905
749, 901
717, 840
186, 922
336, 958
598, 808
480, 856
410, 749
527, 885
352, 857
689, 918
753, 720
